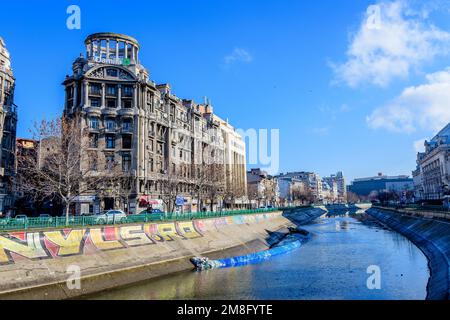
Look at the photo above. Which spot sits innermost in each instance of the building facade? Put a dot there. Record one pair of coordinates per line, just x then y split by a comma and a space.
262, 188
292, 191
337, 186
8, 123
312, 180
367, 186
432, 175
144, 129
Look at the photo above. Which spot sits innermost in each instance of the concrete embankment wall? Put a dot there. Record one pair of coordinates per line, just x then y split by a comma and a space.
432, 237
37, 264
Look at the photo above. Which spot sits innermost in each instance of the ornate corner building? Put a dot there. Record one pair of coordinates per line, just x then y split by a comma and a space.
432, 174
8, 123
144, 128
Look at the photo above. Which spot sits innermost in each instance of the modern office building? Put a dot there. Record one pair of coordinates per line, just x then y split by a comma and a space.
432, 174
141, 126
365, 186
8, 123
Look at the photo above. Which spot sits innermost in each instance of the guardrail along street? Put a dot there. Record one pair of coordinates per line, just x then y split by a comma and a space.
81, 221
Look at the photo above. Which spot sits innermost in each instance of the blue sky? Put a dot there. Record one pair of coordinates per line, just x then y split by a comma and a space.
343, 96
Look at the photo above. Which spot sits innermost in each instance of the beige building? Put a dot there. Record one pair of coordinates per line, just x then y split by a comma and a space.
262, 188
235, 164
147, 131
8, 123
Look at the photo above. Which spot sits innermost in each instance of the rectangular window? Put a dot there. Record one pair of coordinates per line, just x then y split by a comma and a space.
126, 163
126, 104
111, 103
94, 102
127, 125
109, 159
93, 140
110, 124
150, 143
126, 141
127, 91
110, 141
111, 90
95, 89
152, 167
70, 93
93, 123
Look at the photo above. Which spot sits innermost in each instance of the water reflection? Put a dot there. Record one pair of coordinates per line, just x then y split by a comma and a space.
333, 265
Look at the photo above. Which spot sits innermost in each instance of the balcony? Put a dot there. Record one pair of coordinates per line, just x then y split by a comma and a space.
110, 129
92, 110
127, 129
94, 129
126, 112
109, 111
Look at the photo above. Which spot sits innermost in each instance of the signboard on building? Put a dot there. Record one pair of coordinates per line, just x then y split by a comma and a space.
84, 199
116, 61
180, 201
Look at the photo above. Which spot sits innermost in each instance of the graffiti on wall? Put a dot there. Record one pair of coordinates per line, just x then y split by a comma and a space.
19, 246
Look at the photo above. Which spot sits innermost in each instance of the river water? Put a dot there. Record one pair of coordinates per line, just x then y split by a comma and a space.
332, 265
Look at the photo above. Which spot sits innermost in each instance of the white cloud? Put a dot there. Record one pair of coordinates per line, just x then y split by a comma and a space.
419, 145
392, 39
426, 107
238, 55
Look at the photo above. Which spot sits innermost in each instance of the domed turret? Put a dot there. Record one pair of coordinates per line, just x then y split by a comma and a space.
112, 48
5, 61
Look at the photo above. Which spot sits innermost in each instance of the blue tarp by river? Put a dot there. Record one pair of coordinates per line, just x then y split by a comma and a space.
283, 247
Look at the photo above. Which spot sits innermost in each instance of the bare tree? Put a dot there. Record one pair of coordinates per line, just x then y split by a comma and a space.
199, 184
353, 197
270, 190
215, 187
304, 195
170, 183
232, 192
117, 184
58, 170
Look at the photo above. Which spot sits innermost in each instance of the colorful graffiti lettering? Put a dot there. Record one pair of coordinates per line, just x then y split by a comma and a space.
16, 246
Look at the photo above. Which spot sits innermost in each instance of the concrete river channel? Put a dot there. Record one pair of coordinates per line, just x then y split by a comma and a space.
336, 263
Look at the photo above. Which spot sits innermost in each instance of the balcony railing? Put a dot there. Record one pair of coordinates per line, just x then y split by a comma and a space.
127, 129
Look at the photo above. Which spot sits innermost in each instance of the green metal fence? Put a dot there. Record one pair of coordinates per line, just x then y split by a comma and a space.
14, 224
418, 207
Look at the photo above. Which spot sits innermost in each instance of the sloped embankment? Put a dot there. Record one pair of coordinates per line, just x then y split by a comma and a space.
432, 237
37, 264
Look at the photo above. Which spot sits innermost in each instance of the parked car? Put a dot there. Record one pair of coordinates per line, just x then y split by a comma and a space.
152, 211
45, 217
111, 216
21, 218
